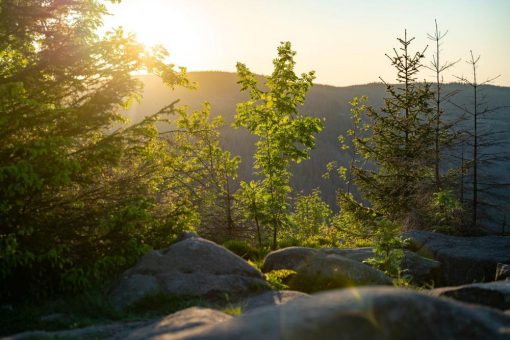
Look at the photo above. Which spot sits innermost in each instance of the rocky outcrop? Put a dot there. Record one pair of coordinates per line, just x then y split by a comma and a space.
491, 294
324, 272
422, 269
191, 267
463, 259
356, 313
364, 313
271, 298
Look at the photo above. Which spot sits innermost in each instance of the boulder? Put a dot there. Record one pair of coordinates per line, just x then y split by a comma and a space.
174, 324
287, 258
491, 294
271, 298
364, 313
422, 269
191, 267
324, 272
463, 259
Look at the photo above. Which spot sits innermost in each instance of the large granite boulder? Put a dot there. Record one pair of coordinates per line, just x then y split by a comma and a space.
491, 294
191, 267
422, 269
364, 313
325, 272
463, 259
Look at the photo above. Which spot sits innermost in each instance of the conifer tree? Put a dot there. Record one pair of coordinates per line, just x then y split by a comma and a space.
398, 142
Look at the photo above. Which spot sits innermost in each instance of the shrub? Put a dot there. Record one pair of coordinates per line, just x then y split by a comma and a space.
244, 249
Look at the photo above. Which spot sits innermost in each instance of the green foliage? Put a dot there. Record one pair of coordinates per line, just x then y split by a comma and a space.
233, 310
309, 225
88, 308
203, 170
447, 211
284, 135
403, 280
355, 222
277, 278
163, 304
81, 194
250, 201
244, 249
311, 213
84, 309
388, 248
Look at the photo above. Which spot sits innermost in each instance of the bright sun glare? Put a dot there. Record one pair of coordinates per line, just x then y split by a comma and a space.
179, 29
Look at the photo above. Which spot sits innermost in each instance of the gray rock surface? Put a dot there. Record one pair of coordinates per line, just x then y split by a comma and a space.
174, 324
324, 272
103, 331
463, 259
192, 267
422, 269
364, 313
170, 326
287, 258
271, 298
491, 294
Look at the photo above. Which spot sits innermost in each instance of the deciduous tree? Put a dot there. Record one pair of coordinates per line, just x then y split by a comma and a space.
284, 135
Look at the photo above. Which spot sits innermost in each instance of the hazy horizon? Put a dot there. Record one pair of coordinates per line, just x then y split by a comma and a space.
344, 41
377, 82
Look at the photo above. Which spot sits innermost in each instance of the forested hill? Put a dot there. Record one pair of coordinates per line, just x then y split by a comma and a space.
221, 90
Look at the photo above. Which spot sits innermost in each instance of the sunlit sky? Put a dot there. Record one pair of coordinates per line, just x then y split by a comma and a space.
344, 41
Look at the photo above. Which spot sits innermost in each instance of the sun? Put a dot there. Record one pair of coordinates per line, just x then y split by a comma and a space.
178, 26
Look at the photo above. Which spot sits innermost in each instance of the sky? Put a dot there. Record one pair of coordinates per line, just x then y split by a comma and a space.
344, 41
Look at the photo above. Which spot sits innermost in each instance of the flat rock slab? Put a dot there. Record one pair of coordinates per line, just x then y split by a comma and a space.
364, 313
463, 260
491, 294
191, 267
